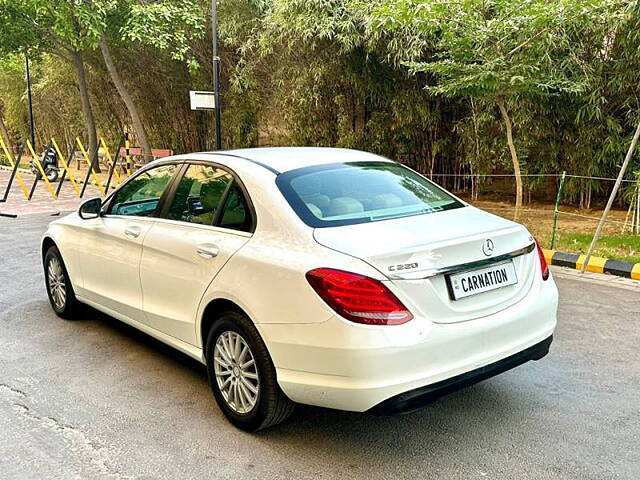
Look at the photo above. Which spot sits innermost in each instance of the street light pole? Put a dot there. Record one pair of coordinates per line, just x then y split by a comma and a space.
216, 72
32, 127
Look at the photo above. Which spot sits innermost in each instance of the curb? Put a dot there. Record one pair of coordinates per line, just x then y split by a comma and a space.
596, 264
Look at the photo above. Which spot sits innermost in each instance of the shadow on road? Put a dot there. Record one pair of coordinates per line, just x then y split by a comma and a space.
443, 426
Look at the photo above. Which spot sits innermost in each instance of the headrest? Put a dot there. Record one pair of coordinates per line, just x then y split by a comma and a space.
345, 205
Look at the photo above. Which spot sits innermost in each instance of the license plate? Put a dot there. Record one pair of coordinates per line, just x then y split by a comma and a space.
482, 280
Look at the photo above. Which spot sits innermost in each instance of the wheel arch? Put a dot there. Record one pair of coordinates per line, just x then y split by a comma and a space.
212, 312
47, 243
55, 237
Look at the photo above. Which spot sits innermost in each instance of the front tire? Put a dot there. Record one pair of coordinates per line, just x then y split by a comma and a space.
242, 375
61, 295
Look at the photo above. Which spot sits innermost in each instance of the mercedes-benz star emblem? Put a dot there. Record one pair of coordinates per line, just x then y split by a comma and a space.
487, 247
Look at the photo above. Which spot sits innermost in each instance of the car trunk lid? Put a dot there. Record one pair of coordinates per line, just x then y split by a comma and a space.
418, 254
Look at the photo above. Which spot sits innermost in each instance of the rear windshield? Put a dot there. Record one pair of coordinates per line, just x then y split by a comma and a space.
360, 192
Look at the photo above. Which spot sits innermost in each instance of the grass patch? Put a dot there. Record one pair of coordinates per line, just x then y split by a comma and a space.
621, 247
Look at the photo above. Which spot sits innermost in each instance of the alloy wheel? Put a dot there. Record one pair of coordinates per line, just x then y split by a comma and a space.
236, 372
57, 284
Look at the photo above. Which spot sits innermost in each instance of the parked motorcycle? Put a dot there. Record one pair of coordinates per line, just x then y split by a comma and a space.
49, 165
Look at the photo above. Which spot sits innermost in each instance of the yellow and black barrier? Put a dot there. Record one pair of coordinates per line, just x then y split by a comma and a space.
66, 167
14, 163
596, 264
110, 161
119, 166
38, 163
113, 162
90, 170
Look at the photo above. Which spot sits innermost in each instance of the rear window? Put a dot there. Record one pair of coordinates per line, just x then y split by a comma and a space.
360, 192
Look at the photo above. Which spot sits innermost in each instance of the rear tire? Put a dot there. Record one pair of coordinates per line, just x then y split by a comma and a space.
61, 295
242, 375
52, 174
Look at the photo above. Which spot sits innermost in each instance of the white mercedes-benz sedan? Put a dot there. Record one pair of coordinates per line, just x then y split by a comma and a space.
322, 276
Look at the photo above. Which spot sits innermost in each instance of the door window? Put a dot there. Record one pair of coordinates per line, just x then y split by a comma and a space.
198, 194
140, 196
235, 214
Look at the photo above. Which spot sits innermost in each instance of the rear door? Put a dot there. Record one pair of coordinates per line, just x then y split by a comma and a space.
207, 219
110, 246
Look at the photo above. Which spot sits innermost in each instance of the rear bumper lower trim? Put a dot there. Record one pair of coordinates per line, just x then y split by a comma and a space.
419, 397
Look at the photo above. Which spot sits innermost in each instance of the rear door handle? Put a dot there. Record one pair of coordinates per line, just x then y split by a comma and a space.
208, 250
132, 231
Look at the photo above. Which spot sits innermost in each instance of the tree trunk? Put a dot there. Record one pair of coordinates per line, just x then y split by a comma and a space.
126, 98
87, 111
514, 157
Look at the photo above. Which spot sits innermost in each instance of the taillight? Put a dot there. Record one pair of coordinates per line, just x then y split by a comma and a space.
358, 298
544, 268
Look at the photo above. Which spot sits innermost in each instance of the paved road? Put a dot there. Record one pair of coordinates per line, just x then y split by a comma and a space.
95, 399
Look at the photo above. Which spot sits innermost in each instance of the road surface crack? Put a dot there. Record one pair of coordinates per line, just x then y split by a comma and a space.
13, 390
97, 456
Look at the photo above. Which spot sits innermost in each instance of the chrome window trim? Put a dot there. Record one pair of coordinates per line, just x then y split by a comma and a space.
211, 228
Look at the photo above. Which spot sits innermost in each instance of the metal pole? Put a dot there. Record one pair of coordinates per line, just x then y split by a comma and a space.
35, 180
89, 172
555, 214
126, 154
612, 197
114, 161
32, 127
61, 181
64, 170
216, 72
13, 173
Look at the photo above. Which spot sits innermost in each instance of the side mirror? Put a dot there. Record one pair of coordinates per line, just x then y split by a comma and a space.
92, 208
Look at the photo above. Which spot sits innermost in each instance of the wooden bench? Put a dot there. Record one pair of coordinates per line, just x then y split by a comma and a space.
137, 152
138, 159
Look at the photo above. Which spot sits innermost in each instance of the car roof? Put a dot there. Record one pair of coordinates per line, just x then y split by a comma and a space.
283, 159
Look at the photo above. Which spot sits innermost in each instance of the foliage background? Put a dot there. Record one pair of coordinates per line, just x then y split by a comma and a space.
413, 80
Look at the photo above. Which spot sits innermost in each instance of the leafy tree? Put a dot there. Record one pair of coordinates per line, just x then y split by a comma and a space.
501, 53
164, 24
71, 29
419, 81
10, 95
54, 27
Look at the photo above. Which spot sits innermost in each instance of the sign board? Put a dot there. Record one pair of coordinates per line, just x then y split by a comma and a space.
202, 100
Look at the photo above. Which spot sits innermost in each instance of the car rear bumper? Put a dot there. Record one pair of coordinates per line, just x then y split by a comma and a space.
419, 397
342, 365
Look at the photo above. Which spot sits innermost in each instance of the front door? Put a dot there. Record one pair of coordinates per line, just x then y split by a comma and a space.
205, 224
111, 245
